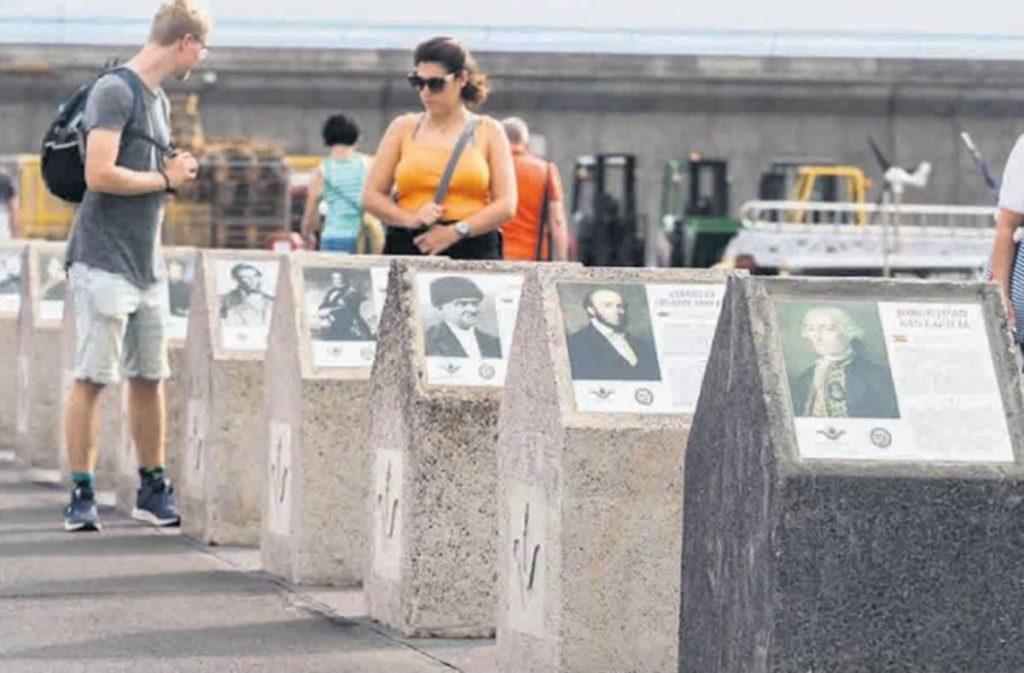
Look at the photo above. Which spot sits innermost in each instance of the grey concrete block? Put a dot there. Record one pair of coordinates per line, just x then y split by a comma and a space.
40, 405
877, 540
222, 478
433, 506
11, 255
127, 463
318, 414
590, 500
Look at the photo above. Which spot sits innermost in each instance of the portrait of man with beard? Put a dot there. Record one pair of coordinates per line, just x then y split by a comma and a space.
605, 349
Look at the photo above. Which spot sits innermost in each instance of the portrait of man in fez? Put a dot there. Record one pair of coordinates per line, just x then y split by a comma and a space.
246, 305
457, 335
844, 381
605, 349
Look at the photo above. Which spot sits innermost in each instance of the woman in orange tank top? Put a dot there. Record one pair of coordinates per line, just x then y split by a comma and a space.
415, 151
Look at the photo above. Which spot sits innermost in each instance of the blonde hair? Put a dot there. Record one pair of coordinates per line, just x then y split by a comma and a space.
177, 18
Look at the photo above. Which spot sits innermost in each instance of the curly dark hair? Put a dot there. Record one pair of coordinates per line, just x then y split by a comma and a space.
340, 130
454, 56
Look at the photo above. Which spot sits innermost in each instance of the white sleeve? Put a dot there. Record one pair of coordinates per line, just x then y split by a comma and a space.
1011, 193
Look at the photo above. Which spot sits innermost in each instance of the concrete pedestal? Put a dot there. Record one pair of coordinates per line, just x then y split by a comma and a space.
11, 255
180, 271
223, 475
40, 405
590, 469
315, 522
854, 483
433, 433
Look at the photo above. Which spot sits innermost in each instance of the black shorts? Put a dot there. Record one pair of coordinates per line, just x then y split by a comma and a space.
399, 241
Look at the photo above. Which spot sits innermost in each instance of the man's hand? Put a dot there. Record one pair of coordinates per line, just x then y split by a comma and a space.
429, 214
436, 240
181, 167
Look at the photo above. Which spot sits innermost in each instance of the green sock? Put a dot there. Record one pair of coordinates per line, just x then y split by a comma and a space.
82, 479
152, 473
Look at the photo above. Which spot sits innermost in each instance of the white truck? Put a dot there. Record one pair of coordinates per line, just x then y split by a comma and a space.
862, 239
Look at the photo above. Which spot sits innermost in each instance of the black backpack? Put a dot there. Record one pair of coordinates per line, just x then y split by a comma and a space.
63, 155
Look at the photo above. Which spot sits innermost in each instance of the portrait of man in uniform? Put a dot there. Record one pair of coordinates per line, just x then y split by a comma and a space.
844, 381
54, 283
10, 273
246, 305
458, 335
341, 309
605, 349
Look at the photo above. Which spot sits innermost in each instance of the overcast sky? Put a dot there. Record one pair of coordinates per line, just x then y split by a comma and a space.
935, 28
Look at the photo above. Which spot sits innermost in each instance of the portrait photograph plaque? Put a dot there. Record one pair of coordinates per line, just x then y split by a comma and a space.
343, 307
892, 381
10, 281
245, 302
181, 270
467, 321
638, 348
52, 286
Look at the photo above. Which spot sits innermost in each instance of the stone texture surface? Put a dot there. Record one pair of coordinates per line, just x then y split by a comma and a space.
433, 552
315, 521
223, 475
39, 403
589, 507
9, 363
793, 566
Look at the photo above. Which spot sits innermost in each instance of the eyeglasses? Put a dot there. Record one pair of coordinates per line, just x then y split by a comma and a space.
435, 84
204, 51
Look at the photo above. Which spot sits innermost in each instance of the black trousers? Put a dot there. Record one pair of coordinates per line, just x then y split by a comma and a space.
399, 241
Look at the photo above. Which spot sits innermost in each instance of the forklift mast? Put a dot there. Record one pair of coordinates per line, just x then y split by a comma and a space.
604, 213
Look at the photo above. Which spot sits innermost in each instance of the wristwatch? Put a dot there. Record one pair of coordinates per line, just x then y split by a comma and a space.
462, 229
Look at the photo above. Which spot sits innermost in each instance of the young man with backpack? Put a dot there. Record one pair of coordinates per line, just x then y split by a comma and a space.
116, 267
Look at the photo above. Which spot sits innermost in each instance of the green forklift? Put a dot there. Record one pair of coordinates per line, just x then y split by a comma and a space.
695, 210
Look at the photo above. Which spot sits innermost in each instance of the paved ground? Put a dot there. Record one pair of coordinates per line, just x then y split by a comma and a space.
133, 598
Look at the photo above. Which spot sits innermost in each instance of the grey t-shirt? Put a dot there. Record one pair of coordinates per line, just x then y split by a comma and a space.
121, 234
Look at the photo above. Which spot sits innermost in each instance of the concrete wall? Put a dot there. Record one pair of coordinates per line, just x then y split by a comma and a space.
747, 110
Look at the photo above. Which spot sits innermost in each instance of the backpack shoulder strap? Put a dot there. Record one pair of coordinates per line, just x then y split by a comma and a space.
449, 170
543, 230
138, 110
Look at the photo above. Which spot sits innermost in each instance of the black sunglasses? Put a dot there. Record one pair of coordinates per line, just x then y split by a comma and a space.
435, 84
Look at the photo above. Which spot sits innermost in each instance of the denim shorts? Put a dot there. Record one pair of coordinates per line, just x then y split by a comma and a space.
120, 329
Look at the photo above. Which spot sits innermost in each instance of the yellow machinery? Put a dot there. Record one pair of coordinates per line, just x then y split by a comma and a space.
846, 184
40, 213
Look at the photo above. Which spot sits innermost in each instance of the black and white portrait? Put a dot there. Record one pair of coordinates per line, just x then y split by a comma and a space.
608, 330
10, 272
245, 293
180, 272
53, 283
340, 304
459, 320
836, 360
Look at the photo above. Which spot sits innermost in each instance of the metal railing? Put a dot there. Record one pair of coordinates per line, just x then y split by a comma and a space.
868, 218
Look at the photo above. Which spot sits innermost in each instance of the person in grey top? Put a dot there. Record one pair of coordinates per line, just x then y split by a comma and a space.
116, 273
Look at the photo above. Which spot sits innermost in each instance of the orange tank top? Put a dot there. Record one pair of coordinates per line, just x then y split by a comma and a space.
419, 171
